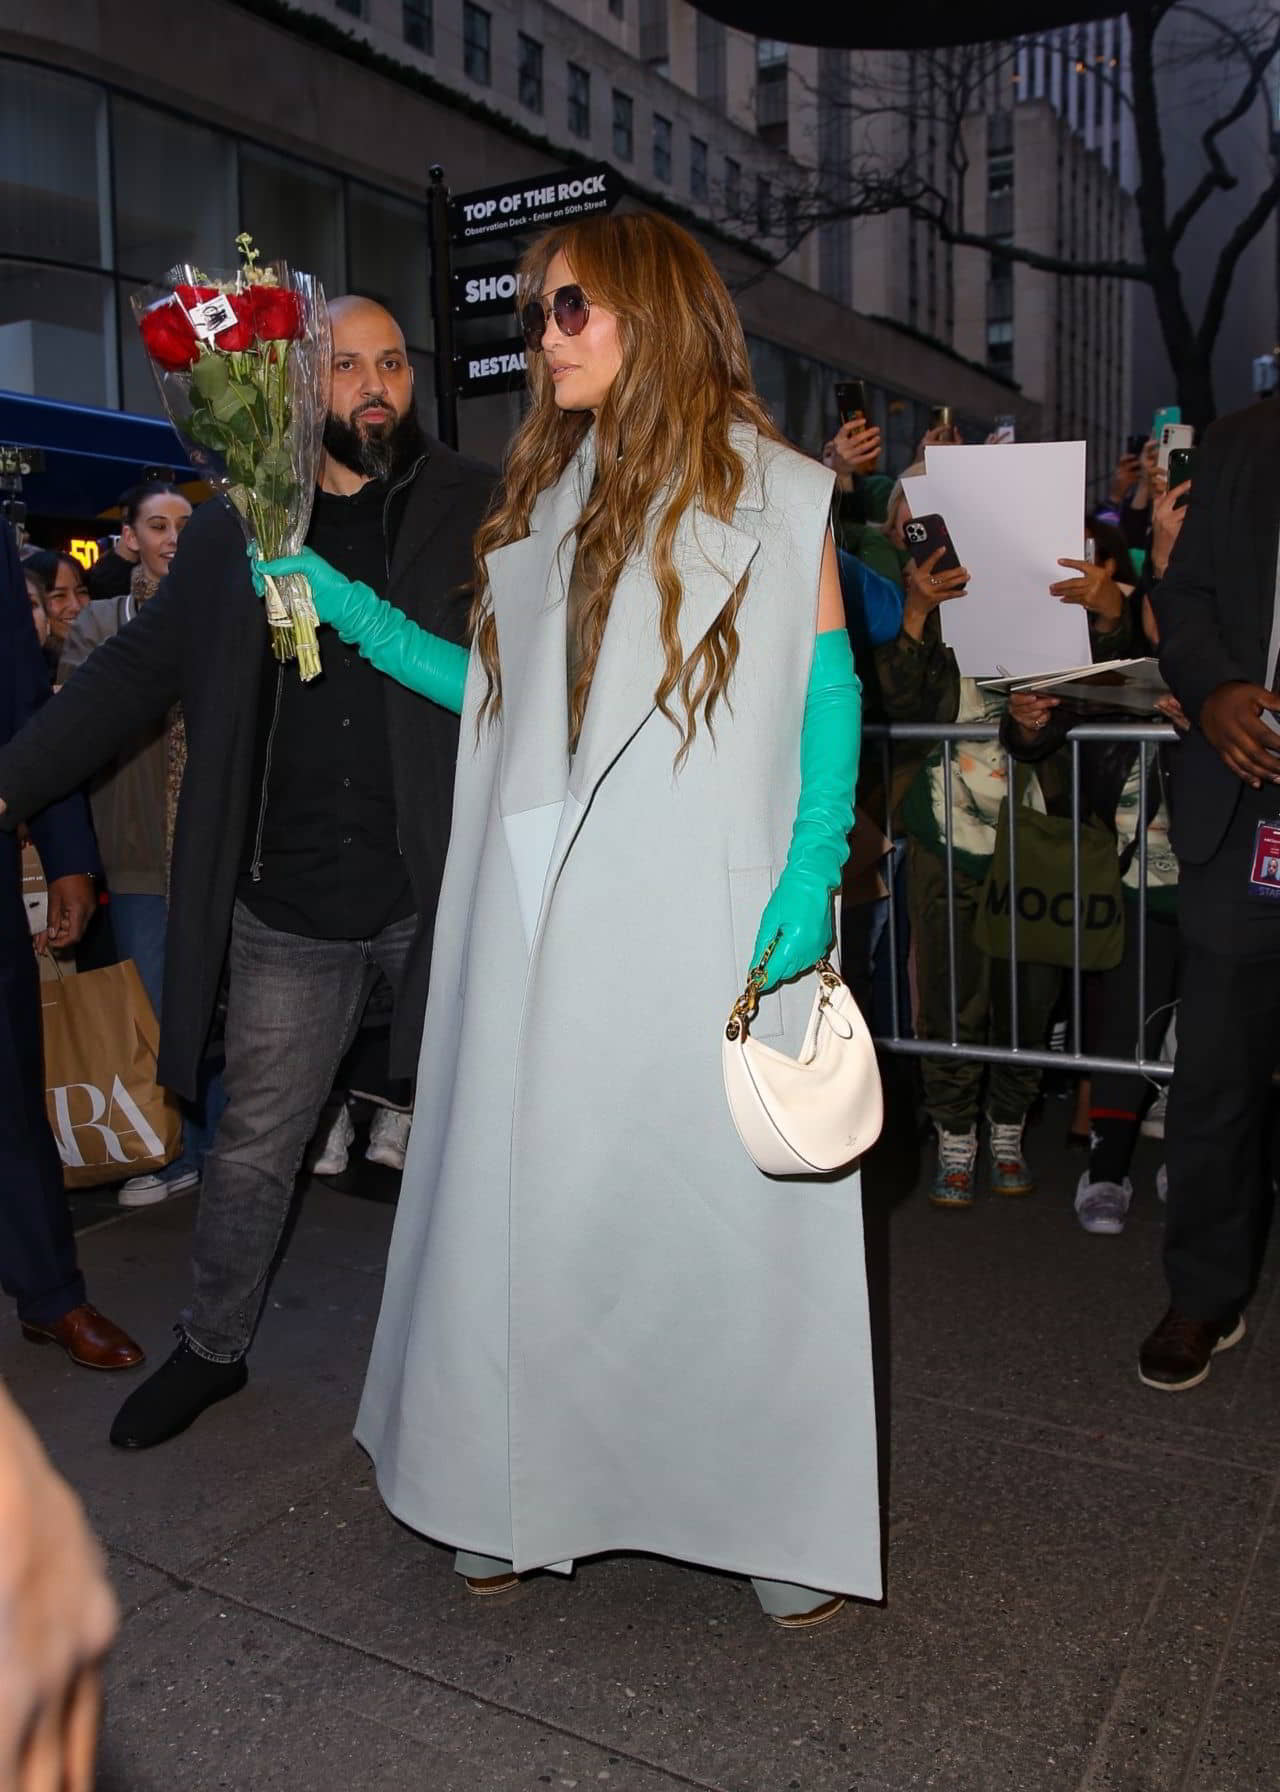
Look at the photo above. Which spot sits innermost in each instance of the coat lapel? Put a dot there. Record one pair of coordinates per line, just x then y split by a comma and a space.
541, 804
1265, 481
528, 582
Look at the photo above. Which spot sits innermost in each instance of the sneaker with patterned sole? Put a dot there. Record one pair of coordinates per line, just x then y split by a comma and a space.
1103, 1206
957, 1162
389, 1138
146, 1191
1009, 1172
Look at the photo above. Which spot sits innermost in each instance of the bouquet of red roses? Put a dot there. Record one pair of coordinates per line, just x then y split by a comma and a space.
242, 362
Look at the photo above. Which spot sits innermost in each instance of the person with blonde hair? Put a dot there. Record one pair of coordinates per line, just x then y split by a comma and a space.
603, 1328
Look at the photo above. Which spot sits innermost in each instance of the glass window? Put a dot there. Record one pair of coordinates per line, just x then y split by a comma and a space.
138, 391
697, 167
662, 146
477, 55
175, 192
623, 126
764, 206
418, 24
530, 65
732, 187
295, 214
579, 106
51, 174
57, 334
387, 239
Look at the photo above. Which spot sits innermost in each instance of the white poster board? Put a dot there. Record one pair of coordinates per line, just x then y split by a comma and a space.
1013, 510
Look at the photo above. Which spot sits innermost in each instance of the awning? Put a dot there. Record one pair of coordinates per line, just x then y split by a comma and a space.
927, 24
91, 456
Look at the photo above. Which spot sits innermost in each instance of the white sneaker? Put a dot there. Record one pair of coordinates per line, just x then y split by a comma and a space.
388, 1137
335, 1151
1103, 1206
1153, 1119
146, 1191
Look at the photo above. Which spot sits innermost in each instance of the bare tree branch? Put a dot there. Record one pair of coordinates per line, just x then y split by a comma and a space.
1246, 230
1218, 177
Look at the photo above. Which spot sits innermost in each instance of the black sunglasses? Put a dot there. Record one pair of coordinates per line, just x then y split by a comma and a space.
569, 306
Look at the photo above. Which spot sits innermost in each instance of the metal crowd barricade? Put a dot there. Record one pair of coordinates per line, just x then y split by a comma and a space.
1147, 736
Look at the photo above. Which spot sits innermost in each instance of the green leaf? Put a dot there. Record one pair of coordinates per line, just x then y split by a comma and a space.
209, 376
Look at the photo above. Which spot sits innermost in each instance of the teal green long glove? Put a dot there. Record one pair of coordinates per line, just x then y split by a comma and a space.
386, 637
800, 908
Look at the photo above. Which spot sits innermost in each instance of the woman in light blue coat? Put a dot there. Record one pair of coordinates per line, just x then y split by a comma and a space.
603, 1327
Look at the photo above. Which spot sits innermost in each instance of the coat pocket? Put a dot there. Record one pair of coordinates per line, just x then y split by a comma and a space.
749, 892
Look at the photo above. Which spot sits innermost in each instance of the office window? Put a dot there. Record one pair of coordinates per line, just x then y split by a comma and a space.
298, 210
771, 92
579, 108
697, 168
477, 51
732, 187
51, 177
661, 147
624, 136
529, 52
710, 60
175, 190
764, 206
417, 22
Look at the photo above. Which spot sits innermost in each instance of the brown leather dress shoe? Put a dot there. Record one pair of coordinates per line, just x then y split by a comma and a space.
89, 1339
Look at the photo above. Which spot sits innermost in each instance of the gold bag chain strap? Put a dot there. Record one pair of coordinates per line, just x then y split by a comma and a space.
744, 1010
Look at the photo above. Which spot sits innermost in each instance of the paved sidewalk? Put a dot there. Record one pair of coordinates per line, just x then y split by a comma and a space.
1083, 1575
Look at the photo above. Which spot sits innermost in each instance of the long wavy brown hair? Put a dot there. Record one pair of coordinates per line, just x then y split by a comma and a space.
662, 444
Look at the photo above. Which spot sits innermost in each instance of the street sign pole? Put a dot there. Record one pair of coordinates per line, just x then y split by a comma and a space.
442, 312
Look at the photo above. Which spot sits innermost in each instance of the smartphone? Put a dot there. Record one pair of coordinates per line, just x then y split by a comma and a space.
1173, 435
924, 535
1090, 550
1005, 429
1182, 466
1168, 413
1135, 443
851, 400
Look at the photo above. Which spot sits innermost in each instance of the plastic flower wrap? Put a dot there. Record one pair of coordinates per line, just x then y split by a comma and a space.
242, 362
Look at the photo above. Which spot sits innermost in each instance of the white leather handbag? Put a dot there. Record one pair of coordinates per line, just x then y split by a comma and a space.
812, 1114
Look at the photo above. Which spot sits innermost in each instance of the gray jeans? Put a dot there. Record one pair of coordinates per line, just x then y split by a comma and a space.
293, 1008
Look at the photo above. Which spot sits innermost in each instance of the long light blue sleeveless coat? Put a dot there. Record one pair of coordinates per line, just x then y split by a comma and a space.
602, 1327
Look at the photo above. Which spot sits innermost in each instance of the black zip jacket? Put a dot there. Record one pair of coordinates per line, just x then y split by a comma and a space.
198, 643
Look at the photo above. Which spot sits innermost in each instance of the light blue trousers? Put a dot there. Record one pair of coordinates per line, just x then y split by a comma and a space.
776, 1597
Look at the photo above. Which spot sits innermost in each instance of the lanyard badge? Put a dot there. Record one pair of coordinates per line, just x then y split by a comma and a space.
1264, 878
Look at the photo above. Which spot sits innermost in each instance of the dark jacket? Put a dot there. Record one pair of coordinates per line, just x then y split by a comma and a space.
199, 642
1214, 608
62, 834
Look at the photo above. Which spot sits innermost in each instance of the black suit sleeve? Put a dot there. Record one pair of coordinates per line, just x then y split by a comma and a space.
1194, 657
127, 683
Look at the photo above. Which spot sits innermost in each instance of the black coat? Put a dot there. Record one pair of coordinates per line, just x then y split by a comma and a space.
198, 641
1214, 608
62, 833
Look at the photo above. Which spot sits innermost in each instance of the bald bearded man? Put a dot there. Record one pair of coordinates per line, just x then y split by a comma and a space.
311, 831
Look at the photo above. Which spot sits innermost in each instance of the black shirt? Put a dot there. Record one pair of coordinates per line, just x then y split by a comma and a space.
321, 854
110, 576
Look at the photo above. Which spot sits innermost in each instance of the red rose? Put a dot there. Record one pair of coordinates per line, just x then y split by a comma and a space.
191, 296
277, 313
239, 335
168, 337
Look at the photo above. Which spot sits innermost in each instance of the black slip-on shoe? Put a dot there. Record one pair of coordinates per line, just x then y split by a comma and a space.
174, 1397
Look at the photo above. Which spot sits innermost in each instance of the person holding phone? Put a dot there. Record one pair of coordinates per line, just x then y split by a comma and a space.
919, 681
1218, 612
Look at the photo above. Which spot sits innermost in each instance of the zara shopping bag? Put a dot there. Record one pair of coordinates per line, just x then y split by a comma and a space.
110, 1117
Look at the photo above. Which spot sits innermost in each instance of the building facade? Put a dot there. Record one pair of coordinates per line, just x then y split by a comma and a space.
132, 138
